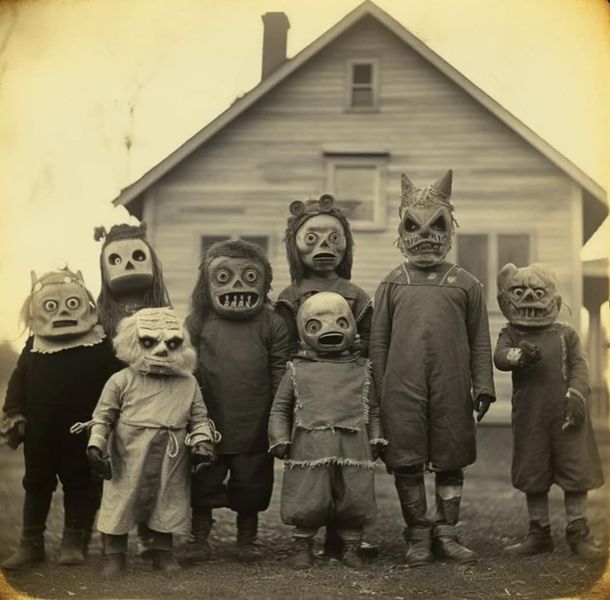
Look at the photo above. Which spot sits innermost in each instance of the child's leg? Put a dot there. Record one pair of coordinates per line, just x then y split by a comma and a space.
72, 543
114, 549
162, 552
445, 542
578, 534
538, 538
302, 557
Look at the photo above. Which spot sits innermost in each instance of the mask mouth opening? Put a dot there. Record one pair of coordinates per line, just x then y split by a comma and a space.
324, 257
426, 247
530, 312
65, 323
332, 338
238, 300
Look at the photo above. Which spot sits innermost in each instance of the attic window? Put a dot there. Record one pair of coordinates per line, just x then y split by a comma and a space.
362, 77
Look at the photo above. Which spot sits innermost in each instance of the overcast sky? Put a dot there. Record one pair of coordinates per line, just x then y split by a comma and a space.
80, 78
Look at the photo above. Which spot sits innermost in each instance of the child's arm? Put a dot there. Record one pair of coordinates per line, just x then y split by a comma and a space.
510, 354
577, 374
286, 312
13, 421
280, 417
278, 349
381, 330
202, 436
374, 428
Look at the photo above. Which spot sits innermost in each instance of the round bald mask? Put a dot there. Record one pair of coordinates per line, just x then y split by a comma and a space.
321, 243
128, 265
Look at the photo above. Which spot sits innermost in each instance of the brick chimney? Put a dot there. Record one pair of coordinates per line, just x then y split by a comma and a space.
275, 35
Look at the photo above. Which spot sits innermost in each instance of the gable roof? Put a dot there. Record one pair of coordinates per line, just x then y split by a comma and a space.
367, 7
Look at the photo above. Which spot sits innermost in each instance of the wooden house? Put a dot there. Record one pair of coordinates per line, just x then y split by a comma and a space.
364, 102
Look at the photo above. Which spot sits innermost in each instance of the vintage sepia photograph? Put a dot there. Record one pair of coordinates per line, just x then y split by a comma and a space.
304, 299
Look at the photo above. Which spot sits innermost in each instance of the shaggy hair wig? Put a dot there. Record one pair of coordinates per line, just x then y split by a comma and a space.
299, 213
201, 304
156, 296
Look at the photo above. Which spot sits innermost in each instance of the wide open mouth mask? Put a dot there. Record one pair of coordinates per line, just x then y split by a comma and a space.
152, 341
426, 221
60, 307
128, 265
528, 296
326, 324
236, 286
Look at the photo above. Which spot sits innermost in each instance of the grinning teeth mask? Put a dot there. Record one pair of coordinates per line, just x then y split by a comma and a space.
59, 306
152, 341
326, 324
426, 221
528, 296
318, 239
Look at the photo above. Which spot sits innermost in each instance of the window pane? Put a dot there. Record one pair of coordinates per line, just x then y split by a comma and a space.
259, 240
514, 248
362, 73
354, 189
472, 255
362, 97
208, 240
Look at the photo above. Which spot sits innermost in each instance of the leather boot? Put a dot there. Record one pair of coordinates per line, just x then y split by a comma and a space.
412, 495
581, 541
537, 541
198, 548
71, 549
29, 552
165, 561
445, 542
247, 529
302, 556
114, 564
350, 556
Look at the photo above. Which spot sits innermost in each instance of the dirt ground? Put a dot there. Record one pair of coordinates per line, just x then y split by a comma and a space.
493, 515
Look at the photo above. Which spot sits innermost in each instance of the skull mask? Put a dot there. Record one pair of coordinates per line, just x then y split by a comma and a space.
236, 286
326, 324
426, 222
127, 265
528, 296
60, 307
152, 341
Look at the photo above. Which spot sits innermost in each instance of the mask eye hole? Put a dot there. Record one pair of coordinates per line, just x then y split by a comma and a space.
147, 342
115, 259
333, 237
223, 276
411, 225
540, 293
438, 224
250, 275
139, 255
518, 292
343, 323
174, 343
50, 305
311, 238
313, 326
72, 302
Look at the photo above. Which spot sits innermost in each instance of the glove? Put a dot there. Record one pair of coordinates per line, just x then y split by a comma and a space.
575, 412
481, 405
530, 354
377, 451
280, 451
15, 435
204, 454
99, 463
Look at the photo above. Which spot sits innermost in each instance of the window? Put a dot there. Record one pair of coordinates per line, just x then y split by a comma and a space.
356, 185
208, 240
484, 254
362, 89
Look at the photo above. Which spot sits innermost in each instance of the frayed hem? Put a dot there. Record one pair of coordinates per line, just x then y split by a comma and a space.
330, 460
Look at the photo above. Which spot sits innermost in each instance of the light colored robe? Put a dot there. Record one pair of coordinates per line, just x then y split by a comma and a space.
146, 423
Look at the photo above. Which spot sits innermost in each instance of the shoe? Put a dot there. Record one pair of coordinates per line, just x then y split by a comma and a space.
302, 557
581, 541
418, 552
537, 541
248, 549
164, 561
114, 564
350, 556
198, 548
29, 552
72, 546
448, 547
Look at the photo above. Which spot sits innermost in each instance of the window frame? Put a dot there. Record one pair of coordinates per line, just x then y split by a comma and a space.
379, 202
350, 85
493, 254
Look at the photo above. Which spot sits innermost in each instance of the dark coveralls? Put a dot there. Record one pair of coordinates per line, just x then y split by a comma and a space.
241, 363
543, 453
54, 391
